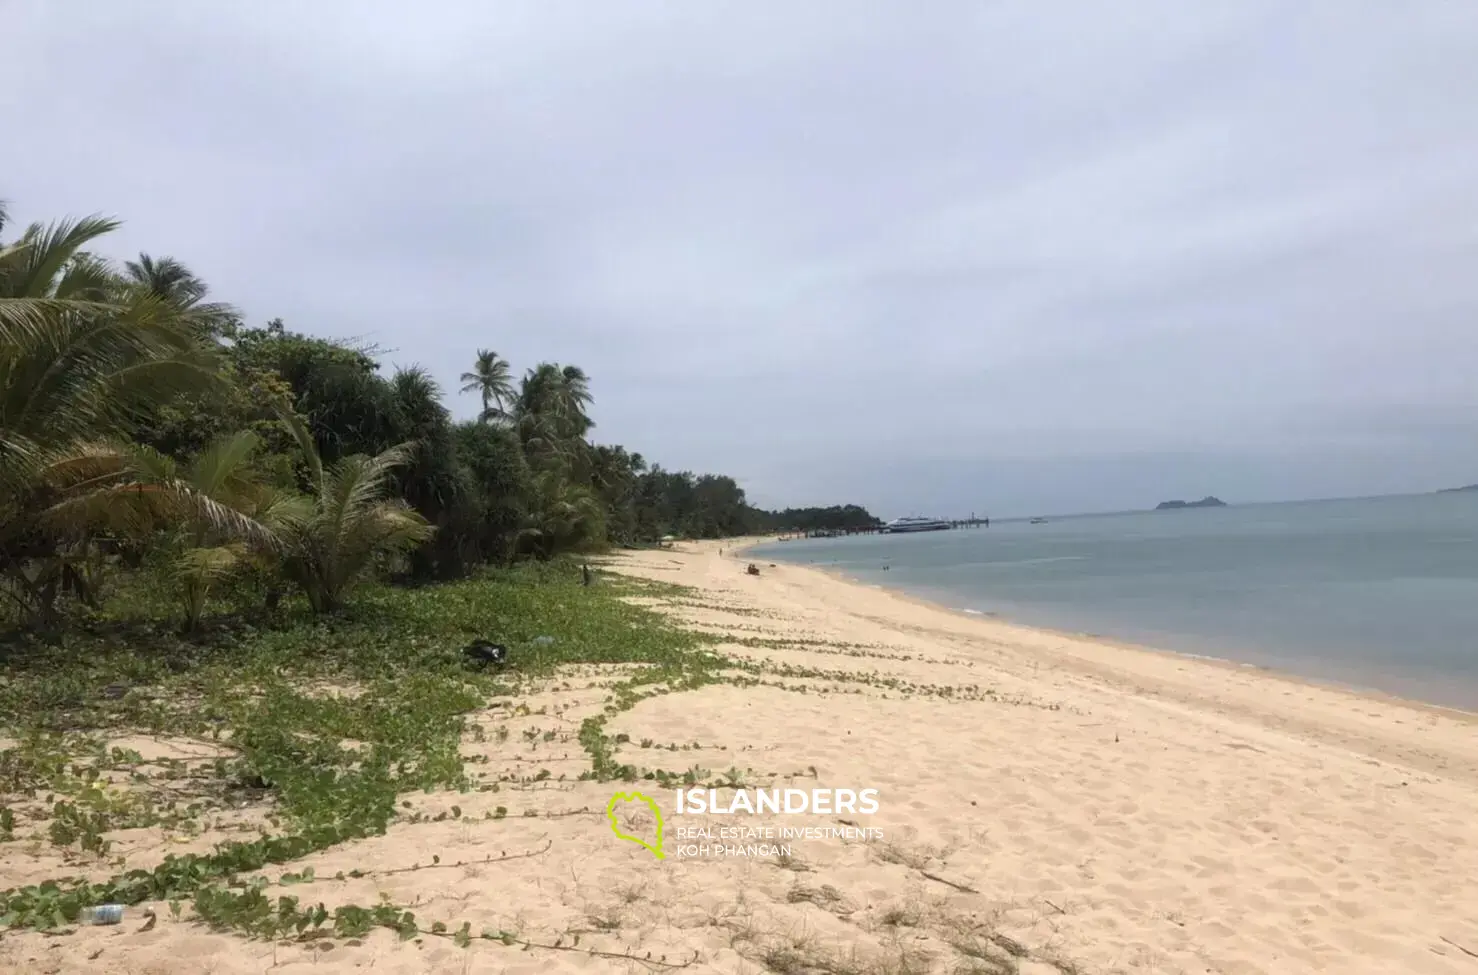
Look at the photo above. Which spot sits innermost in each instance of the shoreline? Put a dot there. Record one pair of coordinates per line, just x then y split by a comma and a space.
1327, 683
1135, 808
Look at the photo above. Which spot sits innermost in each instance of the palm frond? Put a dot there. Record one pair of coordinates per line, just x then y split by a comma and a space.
220, 468
49, 249
303, 437
135, 508
282, 511
207, 565
86, 278
25, 321
398, 525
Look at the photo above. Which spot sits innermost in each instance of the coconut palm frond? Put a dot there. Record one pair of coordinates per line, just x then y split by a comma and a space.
281, 511
136, 508
20, 459
86, 277
398, 525
166, 278
303, 437
26, 321
149, 466
208, 564
48, 249
221, 469
491, 378
355, 484
80, 466
136, 390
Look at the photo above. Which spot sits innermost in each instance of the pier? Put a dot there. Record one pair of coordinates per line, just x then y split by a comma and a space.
970, 522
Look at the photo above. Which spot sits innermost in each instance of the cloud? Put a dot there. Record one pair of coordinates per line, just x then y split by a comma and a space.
973, 255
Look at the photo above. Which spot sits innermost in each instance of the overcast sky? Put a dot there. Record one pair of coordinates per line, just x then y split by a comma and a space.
1009, 257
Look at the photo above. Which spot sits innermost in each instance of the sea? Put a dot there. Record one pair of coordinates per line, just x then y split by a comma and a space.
1377, 593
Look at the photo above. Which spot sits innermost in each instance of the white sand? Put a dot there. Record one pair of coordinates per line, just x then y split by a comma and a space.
1065, 803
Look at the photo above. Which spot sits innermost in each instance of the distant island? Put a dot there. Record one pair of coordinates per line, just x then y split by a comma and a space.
1206, 502
1465, 487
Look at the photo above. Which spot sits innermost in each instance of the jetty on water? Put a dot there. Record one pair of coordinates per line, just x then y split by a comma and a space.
970, 522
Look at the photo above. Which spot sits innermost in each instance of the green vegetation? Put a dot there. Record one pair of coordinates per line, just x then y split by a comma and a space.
217, 625
139, 420
216, 534
324, 725
835, 518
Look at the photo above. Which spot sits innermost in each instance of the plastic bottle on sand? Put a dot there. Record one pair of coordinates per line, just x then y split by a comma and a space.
101, 914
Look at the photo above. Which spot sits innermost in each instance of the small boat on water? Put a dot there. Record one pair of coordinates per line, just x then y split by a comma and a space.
916, 524
1039, 521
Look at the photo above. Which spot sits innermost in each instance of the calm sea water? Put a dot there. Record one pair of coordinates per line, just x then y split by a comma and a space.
1375, 592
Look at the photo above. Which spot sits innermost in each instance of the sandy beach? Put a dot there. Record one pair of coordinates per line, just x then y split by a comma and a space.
1046, 804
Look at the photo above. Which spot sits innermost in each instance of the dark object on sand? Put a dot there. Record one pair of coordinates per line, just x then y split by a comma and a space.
480, 653
585, 574
753, 569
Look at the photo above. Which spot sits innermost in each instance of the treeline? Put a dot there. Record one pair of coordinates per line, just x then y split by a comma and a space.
835, 518
141, 422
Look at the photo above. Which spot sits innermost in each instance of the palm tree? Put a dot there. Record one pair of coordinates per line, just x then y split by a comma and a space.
206, 550
550, 411
351, 522
577, 387
491, 379
563, 517
166, 278
46, 273
82, 358
577, 399
170, 280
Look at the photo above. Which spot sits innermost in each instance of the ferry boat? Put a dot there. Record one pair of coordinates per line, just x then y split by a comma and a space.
915, 524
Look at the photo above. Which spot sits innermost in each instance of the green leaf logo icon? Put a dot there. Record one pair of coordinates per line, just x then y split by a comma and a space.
656, 845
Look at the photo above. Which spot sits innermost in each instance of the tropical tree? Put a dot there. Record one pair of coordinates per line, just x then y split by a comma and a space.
203, 551
549, 413
171, 281
352, 521
562, 517
614, 475
335, 387
500, 488
577, 399
433, 481
83, 358
492, 380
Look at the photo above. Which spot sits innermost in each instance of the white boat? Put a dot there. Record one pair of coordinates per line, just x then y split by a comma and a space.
915, 524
